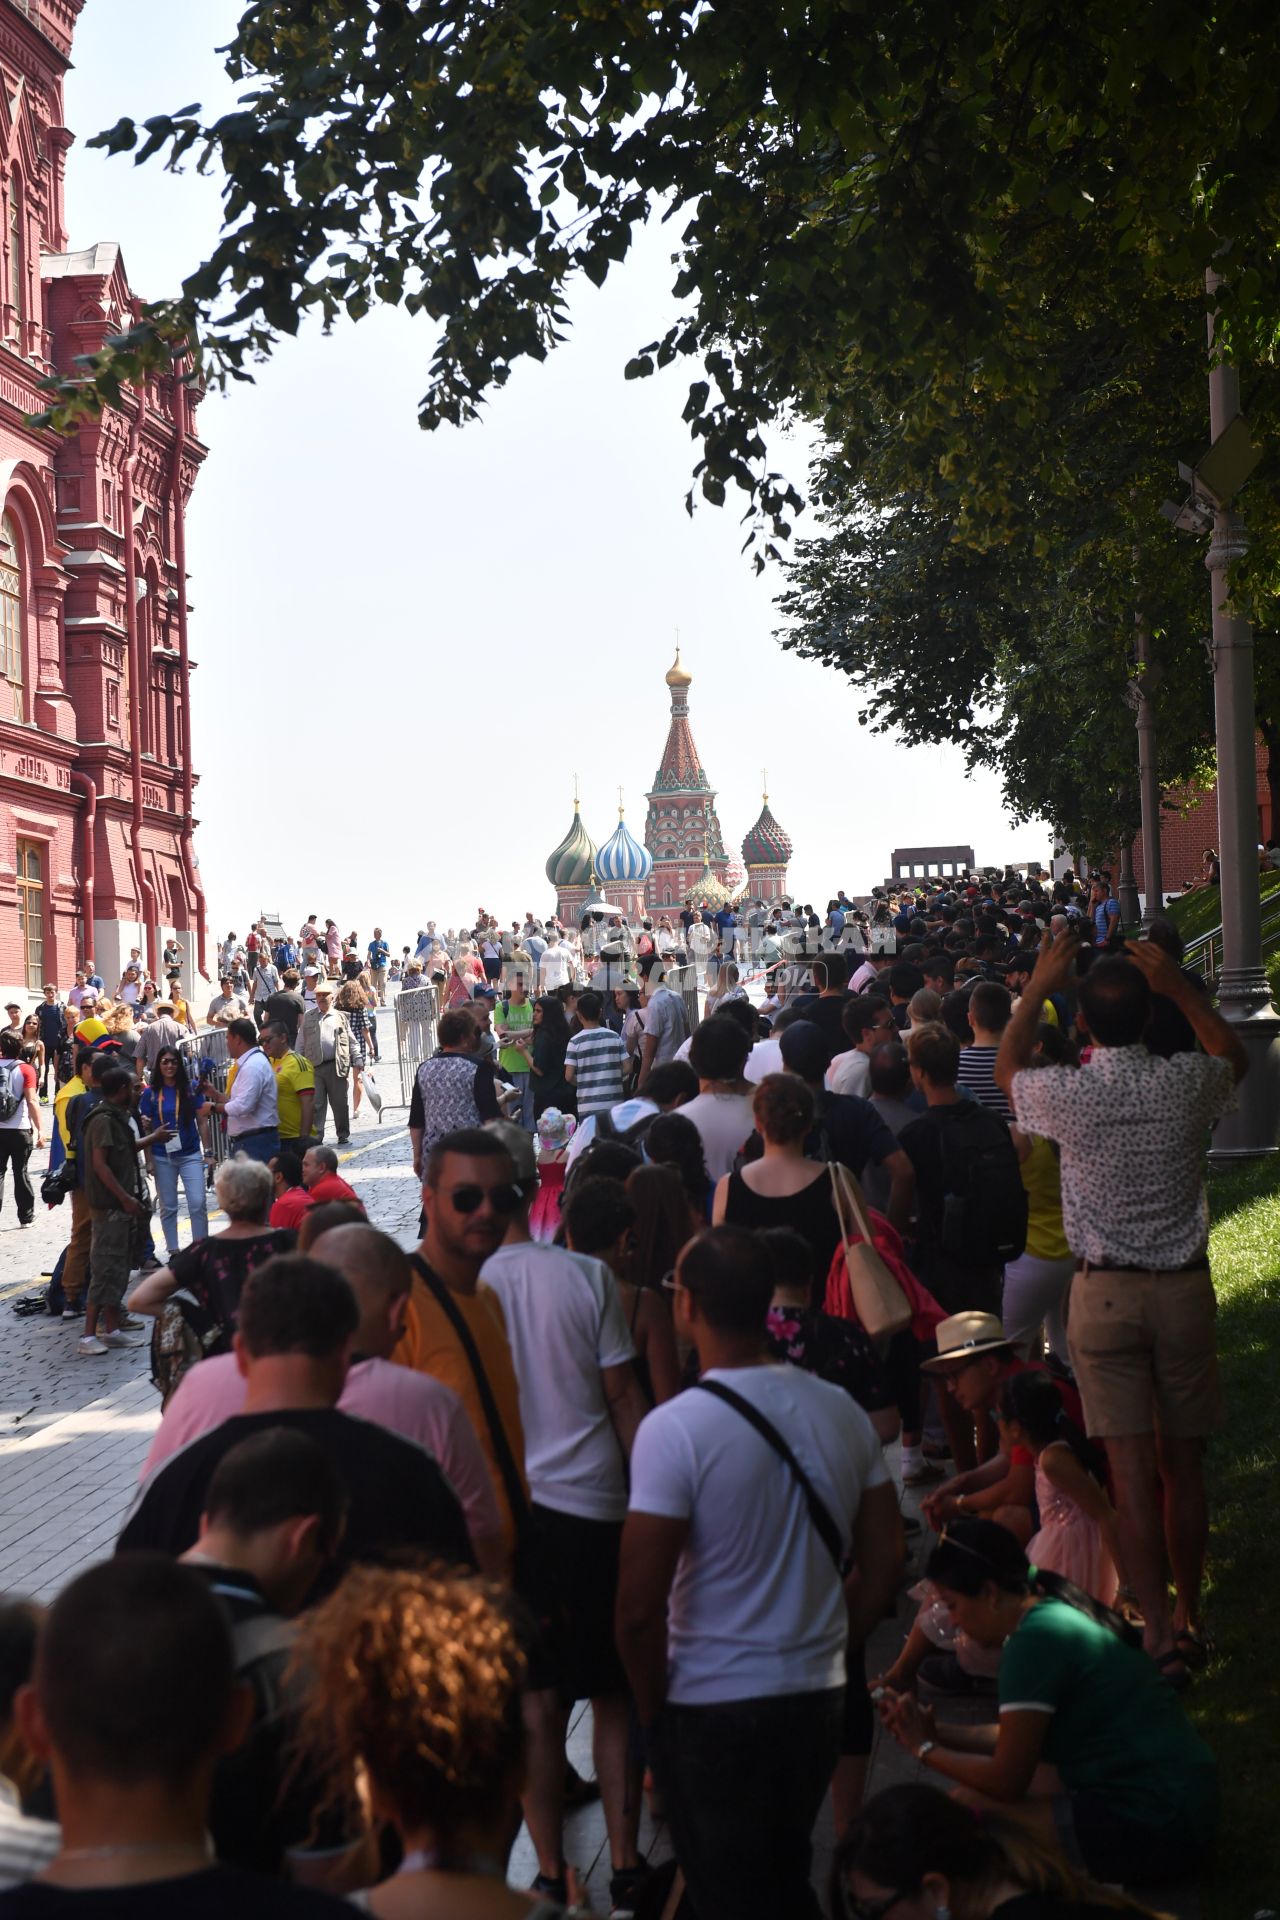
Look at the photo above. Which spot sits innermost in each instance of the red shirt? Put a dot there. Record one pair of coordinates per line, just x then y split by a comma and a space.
288, 1210
334, 1187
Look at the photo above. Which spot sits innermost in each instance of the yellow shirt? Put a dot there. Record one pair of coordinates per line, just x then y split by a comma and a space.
180, 1013
1042, 1179
430, 1345
294, 1077
61, 1101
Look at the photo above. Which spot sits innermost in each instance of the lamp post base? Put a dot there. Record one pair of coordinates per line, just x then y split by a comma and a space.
1244, 998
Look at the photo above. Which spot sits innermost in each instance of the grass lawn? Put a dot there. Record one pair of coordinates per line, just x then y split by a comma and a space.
1200, 912
1236, 1704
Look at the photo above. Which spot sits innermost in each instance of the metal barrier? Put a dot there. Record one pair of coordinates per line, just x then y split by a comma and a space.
1205, 951
211, 1045
415, 1034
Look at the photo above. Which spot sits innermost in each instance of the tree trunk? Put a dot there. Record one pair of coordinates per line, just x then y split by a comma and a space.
1270, 731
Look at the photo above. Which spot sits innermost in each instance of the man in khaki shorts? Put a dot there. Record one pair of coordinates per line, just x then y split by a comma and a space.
1131, 1131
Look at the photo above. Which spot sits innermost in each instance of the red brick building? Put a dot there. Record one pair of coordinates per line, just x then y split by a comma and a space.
682, 827
1189, 824
96, 782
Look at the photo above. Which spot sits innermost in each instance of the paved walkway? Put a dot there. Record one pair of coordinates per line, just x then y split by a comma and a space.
74, 1431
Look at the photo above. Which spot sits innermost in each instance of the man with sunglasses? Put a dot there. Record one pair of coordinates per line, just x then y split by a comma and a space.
581, 1405
455, 1330
868, 1024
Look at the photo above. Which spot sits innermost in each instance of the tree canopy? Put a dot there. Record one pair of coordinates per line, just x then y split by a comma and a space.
881, 211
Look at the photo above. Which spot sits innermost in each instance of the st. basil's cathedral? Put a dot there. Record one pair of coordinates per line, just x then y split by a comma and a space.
683, 857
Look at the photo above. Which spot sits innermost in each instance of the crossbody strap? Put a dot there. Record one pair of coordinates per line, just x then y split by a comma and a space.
516, 1497
824, 1526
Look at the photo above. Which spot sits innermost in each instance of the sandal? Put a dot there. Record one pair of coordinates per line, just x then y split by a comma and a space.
1172, 1667
1194, 1646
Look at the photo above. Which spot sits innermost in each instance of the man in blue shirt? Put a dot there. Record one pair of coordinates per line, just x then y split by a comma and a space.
1105, 909
379, 954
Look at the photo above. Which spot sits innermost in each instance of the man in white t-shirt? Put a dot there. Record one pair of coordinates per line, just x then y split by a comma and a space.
722, 1111
868, 1024
733, 1616
555, 969
580, 1407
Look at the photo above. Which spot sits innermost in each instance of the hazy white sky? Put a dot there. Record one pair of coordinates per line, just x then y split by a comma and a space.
409, 643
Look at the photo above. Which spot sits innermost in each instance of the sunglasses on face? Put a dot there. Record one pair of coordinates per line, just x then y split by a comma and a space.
503, 1199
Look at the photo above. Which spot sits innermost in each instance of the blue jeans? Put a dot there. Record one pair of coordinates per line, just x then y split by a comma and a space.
743, 1783
169, 1168
524, 1083
262, 1145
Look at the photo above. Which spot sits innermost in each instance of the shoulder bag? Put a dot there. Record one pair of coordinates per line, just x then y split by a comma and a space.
531, 1572
823, 1525
878, 1300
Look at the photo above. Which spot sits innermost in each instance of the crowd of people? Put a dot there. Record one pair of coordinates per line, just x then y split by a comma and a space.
705, 1228
149, 1091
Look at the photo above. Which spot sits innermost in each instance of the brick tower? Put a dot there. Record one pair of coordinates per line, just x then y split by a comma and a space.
682, 826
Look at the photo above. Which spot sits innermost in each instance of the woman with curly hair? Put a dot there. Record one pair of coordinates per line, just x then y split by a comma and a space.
413, 1689
352, 1002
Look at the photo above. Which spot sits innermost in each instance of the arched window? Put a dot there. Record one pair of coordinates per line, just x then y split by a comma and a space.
17, 259
11, 616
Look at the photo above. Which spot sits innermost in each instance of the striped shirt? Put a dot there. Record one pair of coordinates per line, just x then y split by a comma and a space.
597, 1056
977, 1078
26, 1845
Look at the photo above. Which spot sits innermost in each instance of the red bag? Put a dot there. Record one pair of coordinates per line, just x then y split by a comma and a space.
926, 1314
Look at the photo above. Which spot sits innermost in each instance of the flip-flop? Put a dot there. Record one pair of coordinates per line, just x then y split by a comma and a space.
1193, 1646
1173, 1668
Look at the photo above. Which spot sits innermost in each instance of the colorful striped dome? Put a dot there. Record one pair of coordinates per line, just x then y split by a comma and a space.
622, 861
571, 863
767, 845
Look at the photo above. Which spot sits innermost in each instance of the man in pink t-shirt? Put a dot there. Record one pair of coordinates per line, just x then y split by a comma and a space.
398, 1398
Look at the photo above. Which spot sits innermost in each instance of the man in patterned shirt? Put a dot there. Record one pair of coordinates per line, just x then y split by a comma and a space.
1130, 1128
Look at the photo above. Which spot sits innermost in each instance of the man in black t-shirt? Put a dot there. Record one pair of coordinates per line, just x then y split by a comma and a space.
132, 1701
297, 1320
273, 1519
286, 1006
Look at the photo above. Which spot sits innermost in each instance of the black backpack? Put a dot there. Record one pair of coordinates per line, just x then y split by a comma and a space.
984, 1209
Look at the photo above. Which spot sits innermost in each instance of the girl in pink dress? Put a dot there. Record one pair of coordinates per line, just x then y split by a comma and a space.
1077, 1536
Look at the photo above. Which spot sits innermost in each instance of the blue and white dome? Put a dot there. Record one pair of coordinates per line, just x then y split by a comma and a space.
622, 861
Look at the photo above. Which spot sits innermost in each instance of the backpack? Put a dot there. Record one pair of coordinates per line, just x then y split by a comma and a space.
625, 1136
984, 1210
12, 1090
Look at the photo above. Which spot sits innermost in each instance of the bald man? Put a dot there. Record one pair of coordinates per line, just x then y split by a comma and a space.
409, 1403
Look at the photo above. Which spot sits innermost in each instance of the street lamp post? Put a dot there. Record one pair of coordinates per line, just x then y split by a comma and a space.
1243, 991
1144, 686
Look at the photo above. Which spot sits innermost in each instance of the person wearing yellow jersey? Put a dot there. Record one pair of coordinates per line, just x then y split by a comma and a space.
1035, 1285
76, 1265
295, 1086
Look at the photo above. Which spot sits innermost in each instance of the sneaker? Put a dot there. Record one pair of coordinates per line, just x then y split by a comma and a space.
130, 1324
73, 1313
553, 1887
90, 1344
118, 1339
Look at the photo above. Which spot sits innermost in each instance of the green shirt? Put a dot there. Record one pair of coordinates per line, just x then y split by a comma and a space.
514, 1059
1116, 1727
108, 1127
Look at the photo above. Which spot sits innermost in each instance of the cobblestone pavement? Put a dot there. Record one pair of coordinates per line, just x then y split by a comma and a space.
74, 1431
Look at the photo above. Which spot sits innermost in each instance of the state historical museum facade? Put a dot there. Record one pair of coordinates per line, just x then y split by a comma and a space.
96, 783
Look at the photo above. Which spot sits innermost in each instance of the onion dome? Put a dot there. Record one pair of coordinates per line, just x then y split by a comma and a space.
622, 861
767, 845
677, 676
571, 863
